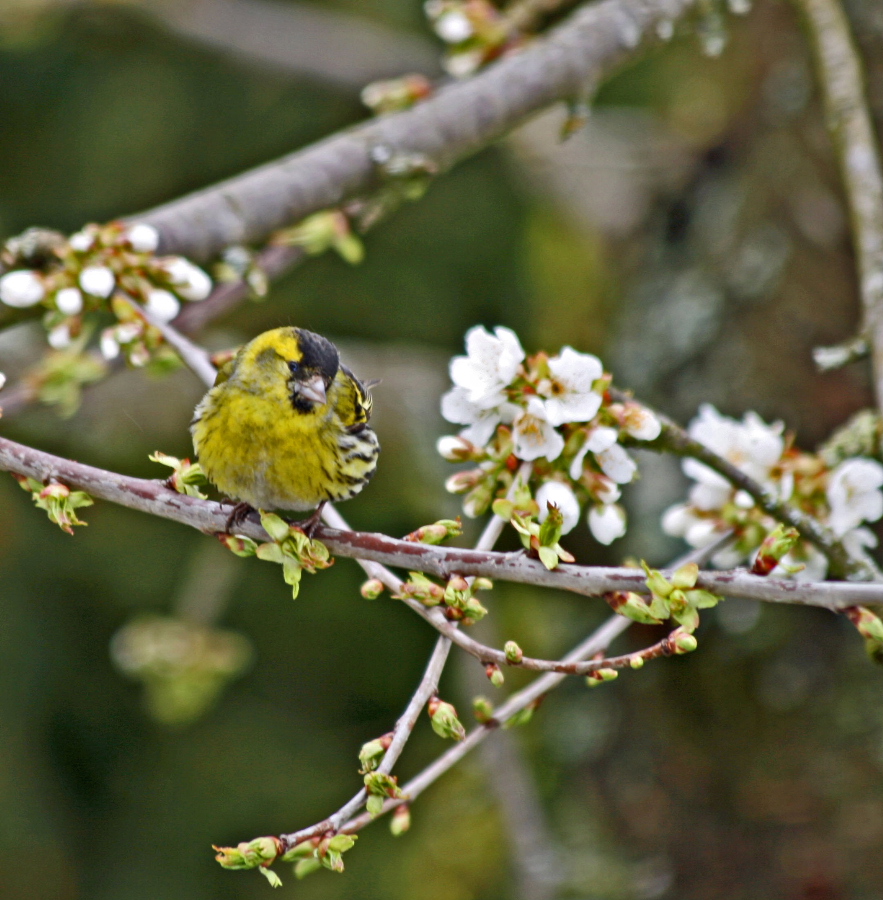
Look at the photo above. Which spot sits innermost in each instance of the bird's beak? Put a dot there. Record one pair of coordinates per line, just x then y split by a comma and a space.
312, 389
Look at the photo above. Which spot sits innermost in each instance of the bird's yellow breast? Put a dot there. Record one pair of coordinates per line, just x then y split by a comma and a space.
254, 446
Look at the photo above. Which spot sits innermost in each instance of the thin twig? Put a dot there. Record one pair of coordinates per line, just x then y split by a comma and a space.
848, 117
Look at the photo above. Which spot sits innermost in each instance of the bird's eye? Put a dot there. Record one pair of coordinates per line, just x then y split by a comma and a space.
293, 367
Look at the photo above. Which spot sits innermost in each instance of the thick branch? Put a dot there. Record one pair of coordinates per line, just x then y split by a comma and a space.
157, 498
846, 111
457, 122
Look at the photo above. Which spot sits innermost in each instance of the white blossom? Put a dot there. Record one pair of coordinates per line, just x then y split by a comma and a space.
606, 490
562, 496
534, 436
814, 562
456, 407
854, 494
600, 439
607, 522
143, 238
751, 445
60, 337
640, 422
21, 288
109, 345
2, 380
451, 447
453, 27
617, 464
489, 367
69, 301
98, 281
189, 281
569, 393
81, 241
162, 305
681, 520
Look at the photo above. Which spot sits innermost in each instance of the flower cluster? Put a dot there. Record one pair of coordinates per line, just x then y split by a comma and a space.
474, 30
842, 496
103, 267
552, 412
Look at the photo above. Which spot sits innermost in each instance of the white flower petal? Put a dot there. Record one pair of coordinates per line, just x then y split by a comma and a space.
2, 380
607, 523
481, 431
606, 490
563, 497
702, 533
189, 281
709, 497
617, 464
601, 439
640, 423
571, 396
21, 288
573, 408
534, 436
677, 519
81, 241
490, 365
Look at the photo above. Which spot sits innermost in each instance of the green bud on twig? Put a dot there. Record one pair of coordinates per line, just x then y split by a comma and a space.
373, 752
444, 720
513, 652
437, 532
495, 674
599, 676
482, 709
372, 588
401, 820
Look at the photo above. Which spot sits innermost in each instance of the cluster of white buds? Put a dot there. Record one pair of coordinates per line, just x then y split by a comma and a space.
99, 268
843, 496
474, 31
553, 412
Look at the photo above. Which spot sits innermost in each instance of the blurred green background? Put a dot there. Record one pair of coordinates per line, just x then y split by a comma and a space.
694, 235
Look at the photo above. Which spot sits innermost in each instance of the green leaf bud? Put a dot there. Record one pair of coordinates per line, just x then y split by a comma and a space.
685, 577
401, 820
482, 709
682, 641
271, 876
305, 867
636, 662
373, 752
495, 674
372, 588
241, 546
599, 676
275, 526
513, 652
444, 720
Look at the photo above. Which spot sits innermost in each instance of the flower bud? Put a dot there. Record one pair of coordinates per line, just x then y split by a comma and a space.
81, 242
162, 305
401, 820
444, 720
482, 709
189, 281
98, 281
513, 652
495, 674
599, 676
636, 662
454, 448
461, 482
777, 544
142, 238
241, 546
21, 288
372, 588
682, 641
69, 301
60, 338
373, 752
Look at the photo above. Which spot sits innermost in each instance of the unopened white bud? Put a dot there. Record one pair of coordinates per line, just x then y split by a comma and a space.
2, 380
59, 337
21, 288
98, 281
162, 305
69, 301
143, 238
454, 27
190, 281
81, 241
109, 346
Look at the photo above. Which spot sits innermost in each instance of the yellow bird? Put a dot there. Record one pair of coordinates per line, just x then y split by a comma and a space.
286, 426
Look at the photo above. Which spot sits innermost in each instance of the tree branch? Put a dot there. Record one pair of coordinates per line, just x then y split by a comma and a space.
455, 123
157, 498
846, 111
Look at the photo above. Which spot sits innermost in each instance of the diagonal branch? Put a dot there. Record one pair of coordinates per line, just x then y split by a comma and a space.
457, 122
